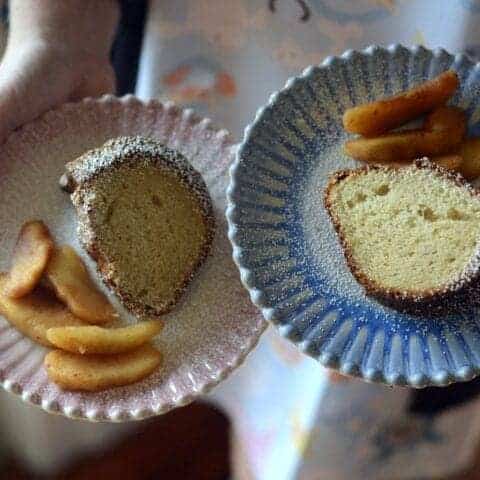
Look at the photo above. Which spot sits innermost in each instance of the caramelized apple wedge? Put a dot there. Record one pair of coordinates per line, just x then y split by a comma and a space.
442, 133
98, 372
30, 258
450, 162
72, 283
35, 313
470, 151
90, 339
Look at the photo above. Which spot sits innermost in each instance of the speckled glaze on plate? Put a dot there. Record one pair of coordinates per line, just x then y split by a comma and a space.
284, 243
214, 326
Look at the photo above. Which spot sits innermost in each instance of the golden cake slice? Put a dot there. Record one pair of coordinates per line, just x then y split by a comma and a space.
145, 216
410, 235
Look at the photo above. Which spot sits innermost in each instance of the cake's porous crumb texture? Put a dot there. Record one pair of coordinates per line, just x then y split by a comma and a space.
410, 235
145, 216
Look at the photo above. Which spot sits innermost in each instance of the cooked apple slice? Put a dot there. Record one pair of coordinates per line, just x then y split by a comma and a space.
35, 313
30, 257
470, 151
73, 285
90, 339
98, 372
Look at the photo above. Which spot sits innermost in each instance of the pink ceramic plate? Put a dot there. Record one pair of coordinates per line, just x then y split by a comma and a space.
213, 328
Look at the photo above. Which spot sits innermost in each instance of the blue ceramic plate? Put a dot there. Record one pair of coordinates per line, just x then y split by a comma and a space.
285, 246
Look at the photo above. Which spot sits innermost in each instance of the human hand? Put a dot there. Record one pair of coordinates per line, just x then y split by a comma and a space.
56, 52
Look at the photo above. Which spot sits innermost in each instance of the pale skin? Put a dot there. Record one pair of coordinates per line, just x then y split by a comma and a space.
57, 51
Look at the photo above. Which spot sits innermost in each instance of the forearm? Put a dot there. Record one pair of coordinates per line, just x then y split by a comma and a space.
57, 51
84, 26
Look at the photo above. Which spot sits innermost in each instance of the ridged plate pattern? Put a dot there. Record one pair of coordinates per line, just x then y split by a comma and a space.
284, 245
215, 325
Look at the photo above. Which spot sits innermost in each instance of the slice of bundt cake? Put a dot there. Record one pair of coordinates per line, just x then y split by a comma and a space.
145, 216
411, 235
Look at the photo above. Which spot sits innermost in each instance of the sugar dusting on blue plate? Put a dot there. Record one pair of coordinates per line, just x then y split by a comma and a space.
287, 250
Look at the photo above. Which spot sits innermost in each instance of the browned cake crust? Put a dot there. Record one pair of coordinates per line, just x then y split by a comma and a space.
453, 296
81, 174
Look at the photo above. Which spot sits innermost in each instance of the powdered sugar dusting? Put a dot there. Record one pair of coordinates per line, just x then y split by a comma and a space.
301, 131
136, 153
323, 246
448, 296
320, 236
214, 326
